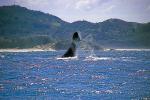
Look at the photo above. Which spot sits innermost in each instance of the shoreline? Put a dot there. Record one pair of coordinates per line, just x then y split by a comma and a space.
132, 49
126, 49
42, 50
25, 50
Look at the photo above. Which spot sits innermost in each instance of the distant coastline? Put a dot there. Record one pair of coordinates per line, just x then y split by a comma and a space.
50, 49
130, 49
26, 50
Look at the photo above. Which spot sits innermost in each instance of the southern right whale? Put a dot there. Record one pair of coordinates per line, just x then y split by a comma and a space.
72, 49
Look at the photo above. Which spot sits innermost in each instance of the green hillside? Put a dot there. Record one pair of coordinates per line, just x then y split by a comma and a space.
24, 28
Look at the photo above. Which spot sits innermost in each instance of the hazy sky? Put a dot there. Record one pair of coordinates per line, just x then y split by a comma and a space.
90, 10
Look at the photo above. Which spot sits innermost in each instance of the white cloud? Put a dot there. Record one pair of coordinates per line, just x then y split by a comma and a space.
86, 4
82, 4
148, 8
109, 8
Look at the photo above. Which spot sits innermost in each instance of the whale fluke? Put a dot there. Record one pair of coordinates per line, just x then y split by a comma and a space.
72, 49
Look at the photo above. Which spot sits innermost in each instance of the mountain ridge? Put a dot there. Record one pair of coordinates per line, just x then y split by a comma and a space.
24, 28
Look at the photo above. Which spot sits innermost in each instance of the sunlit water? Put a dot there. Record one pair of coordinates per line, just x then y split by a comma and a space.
108, 75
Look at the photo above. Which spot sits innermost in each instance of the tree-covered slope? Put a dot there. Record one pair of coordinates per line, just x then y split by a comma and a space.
24, 28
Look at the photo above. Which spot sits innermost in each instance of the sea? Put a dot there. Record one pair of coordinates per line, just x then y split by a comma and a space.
96, 75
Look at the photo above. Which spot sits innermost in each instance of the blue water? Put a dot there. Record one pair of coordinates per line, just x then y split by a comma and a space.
111, 75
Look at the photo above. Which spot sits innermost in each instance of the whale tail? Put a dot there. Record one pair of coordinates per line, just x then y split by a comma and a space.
72, 49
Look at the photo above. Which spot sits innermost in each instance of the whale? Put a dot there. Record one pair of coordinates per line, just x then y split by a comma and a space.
71, 52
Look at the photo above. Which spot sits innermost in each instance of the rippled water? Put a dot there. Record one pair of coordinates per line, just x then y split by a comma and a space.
111, 75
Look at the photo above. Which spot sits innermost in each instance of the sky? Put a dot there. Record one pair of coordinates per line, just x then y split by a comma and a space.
90, 10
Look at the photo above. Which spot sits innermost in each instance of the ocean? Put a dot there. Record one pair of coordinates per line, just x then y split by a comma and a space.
97, 75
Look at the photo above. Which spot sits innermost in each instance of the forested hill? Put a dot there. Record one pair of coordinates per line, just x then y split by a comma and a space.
24, 28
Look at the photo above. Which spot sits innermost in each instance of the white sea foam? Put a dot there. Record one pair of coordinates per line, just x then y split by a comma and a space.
103, 92
126, 49
2, 56
94, 58
67, 58
141, 70
132, 49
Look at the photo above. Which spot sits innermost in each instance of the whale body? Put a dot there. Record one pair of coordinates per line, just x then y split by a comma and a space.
72, 49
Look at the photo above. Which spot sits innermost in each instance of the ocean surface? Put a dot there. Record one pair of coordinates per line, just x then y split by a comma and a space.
98, 75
